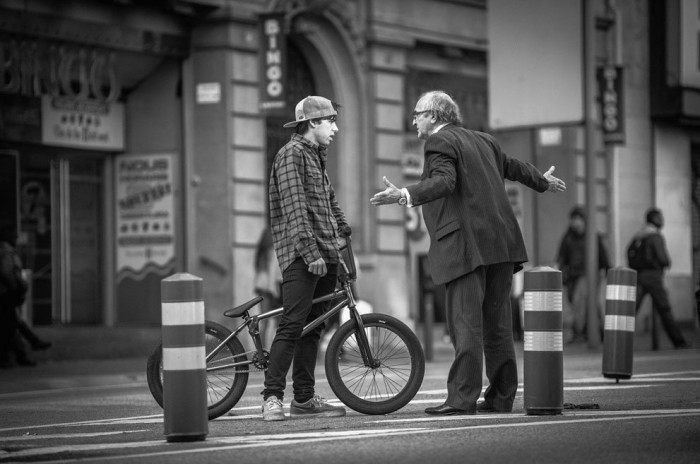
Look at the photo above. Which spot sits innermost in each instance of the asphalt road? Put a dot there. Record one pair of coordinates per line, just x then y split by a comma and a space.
652, 418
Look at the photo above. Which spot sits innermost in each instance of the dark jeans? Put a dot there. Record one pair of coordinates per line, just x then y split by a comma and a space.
652, 283
299, 287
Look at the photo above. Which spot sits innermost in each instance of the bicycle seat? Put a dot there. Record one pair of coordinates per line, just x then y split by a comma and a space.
241, 309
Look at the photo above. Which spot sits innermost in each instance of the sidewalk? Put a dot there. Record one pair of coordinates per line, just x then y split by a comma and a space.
120, 370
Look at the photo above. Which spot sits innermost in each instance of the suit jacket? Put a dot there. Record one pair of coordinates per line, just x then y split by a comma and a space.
465, 206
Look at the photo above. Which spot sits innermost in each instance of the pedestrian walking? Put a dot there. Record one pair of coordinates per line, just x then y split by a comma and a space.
571, 260
648, 255
13, 290
268, 282
475, 247
305, 219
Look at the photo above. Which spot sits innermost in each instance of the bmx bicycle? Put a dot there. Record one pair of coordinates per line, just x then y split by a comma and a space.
374, 362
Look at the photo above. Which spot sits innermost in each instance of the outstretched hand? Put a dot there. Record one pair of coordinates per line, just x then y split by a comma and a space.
555, 184
388, 196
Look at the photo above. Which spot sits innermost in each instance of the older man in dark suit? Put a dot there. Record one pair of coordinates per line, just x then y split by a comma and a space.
475, 246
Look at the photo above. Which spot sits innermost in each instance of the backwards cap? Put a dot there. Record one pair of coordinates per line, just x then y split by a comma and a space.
312, 107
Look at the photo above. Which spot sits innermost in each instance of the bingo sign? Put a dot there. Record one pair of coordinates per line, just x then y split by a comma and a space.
611, 92
145, 206
273, 63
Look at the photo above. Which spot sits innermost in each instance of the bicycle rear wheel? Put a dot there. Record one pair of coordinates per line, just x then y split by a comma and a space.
393, 382
225, 386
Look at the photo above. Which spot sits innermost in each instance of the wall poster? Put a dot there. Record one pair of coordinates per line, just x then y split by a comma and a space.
145, 207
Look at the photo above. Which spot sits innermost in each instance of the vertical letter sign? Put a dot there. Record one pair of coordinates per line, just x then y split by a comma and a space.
272, 63
612, 103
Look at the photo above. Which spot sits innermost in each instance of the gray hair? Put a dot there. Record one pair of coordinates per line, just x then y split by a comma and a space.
442, 106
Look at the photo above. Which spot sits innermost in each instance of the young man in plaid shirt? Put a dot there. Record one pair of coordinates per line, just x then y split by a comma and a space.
305, 219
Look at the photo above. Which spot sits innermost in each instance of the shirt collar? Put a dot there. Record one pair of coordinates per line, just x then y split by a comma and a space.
319, 149
300, 138
438, 128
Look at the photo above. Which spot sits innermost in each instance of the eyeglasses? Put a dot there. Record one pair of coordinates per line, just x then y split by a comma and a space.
418, 113
330, 119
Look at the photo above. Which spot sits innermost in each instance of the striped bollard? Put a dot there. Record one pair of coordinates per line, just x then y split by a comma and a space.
543, 348
184, 367
618, 342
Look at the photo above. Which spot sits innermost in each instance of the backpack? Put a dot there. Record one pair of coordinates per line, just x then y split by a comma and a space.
637, 254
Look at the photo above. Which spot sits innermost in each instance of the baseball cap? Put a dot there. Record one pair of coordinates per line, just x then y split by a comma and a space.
312, 107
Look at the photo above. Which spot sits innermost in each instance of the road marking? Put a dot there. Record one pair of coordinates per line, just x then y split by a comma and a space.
628, 384
638, 377
70, 435
79, 423
43, 392
565, 413
304, 438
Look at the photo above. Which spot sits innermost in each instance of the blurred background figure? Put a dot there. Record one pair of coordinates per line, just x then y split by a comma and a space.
268, 283
647, 254
13, 291
516, 297
571, 260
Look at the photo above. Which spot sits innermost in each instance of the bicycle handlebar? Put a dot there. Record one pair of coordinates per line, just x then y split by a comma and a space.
345, 231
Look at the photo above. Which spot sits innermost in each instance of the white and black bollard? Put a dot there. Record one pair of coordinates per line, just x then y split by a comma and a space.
543, 342
620, 312
184, 365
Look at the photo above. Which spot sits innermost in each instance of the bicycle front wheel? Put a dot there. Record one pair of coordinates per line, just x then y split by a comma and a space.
225, 384
395, 377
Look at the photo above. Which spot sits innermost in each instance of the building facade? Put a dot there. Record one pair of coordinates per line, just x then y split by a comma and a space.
136, 139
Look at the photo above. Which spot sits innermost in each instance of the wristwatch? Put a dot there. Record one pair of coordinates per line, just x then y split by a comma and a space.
402, 200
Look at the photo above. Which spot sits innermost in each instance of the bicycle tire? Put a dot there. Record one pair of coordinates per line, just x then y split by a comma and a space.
224, 387
384, 389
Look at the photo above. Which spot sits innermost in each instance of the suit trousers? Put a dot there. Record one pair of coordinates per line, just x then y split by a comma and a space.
299, 287
480, 326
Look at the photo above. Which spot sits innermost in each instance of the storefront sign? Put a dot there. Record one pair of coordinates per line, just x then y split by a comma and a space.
35, 67
82, 123
273, 63
208, 92
612, 103
144, 221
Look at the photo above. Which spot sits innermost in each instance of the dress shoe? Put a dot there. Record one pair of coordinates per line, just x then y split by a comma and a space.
483, 406
26, 362
445, 410
41, 345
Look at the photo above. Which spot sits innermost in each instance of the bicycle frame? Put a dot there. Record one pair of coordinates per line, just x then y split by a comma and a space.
348, 300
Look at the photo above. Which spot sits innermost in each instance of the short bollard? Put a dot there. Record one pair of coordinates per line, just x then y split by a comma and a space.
184, 367
618, 340
543, 348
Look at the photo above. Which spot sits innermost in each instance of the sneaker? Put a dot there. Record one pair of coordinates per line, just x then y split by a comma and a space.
316, 406
272, 409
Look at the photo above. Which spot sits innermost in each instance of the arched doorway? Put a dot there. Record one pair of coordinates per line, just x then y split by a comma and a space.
299, 85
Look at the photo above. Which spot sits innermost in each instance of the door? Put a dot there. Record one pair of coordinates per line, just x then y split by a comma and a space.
61, 216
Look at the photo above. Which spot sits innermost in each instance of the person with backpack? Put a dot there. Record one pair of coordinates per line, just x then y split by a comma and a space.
647, 254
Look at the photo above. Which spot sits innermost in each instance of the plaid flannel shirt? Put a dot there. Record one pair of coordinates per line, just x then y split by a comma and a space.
304, 213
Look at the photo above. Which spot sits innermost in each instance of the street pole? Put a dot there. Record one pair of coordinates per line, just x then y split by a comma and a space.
589, 105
